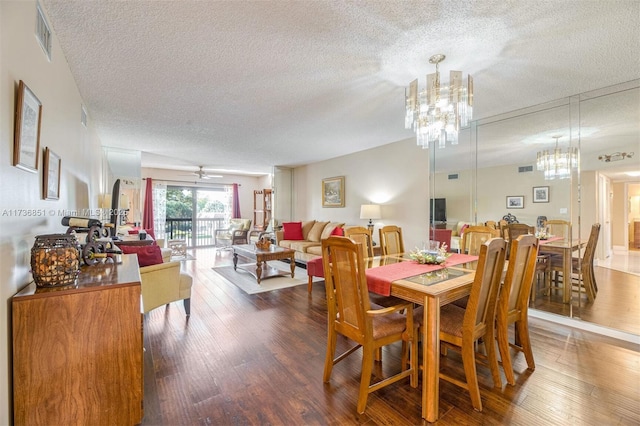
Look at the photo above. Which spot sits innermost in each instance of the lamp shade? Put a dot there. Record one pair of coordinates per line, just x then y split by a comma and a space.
370, 211
105, 201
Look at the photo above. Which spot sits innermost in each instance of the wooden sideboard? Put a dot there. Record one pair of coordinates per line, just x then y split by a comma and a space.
77, 352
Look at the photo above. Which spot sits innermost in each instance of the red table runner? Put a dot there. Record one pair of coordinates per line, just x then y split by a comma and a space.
379, 279
550, 240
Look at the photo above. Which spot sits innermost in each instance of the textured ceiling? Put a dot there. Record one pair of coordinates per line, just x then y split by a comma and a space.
243, 86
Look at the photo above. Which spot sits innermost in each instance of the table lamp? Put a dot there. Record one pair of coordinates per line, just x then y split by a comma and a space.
370, 211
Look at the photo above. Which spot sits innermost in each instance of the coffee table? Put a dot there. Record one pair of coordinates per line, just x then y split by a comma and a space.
262, 270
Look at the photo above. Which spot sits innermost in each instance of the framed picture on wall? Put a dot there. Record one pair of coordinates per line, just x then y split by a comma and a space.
540, 194
515, 201
333, 192
51, 175
26, 142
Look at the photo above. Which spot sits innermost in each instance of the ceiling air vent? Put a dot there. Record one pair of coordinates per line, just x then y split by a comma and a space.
43, 32
83, 115
453, 176
525, 169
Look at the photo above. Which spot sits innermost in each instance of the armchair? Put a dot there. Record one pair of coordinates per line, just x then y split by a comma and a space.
164, 283
236, 233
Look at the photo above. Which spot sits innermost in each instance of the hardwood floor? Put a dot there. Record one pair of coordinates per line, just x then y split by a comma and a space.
258, 359
616, 306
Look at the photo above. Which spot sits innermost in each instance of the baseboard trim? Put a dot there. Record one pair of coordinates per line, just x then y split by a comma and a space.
586, 326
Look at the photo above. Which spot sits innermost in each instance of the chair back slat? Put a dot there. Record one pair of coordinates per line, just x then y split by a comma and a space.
480, 311
347, 283
360, 234
391, 240
474, 237
521, 272
559, 228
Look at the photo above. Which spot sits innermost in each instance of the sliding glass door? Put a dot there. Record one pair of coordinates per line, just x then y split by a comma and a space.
194, 214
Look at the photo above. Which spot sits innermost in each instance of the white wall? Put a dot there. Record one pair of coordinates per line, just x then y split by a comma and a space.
394, 175
21, 58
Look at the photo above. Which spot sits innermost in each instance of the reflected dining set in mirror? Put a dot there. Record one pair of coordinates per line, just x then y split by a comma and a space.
431, 287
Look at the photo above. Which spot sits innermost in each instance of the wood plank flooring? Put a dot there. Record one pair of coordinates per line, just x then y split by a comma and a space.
258, 360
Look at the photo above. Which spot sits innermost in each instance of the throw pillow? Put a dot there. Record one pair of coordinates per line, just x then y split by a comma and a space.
147, 255
292, 230
463, 229
306, 227
316, 231
338, 230
328, 230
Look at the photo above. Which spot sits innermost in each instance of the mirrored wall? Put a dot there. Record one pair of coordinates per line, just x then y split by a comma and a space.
492, 173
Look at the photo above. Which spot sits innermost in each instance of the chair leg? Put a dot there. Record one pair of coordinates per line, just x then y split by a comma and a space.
331, 351
469, 363
309, 284
522, 329
492, 357
378, 354
505, 355
365, 379
187, 306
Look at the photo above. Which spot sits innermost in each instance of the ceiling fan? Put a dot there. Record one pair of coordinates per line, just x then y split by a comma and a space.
203, 174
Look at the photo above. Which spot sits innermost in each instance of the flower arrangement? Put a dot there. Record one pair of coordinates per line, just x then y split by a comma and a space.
430, 257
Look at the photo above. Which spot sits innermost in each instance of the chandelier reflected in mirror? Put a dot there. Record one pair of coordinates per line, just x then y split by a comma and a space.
437, 113
557, 164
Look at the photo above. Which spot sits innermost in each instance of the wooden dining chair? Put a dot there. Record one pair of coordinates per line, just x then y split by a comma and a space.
514, 230
473, 238
391, 241
513, 302
351, 315
559, 228
360, 234
582, 268
461, 329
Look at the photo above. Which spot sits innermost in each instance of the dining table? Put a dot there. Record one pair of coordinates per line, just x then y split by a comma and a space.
431, 286
565, 248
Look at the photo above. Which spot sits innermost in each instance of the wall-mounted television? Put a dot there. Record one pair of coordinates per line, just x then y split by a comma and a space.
437, 210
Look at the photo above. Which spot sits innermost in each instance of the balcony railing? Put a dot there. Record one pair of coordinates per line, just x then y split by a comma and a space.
197, 234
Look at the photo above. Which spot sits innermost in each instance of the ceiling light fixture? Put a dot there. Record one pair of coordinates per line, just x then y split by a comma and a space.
616, 156
557, 164
437, 113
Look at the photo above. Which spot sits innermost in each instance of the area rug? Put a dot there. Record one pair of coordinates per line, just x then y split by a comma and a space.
249, 285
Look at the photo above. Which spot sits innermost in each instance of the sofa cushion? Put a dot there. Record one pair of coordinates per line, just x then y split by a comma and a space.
292, 230
316, 231
328, 229
315, 250
303, 246
147, 255
306, 228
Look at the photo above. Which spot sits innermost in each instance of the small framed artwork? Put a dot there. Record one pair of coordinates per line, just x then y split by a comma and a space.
540, 194
51, 175
333, 192
26, 143
515, 201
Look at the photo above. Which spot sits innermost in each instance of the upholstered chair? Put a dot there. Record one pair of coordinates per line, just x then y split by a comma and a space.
164, 283
236, 233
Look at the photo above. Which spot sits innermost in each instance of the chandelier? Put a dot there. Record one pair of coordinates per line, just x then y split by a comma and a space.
557, 164
437, 113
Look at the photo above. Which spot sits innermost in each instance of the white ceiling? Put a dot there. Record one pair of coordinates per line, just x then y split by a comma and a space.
245, 85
